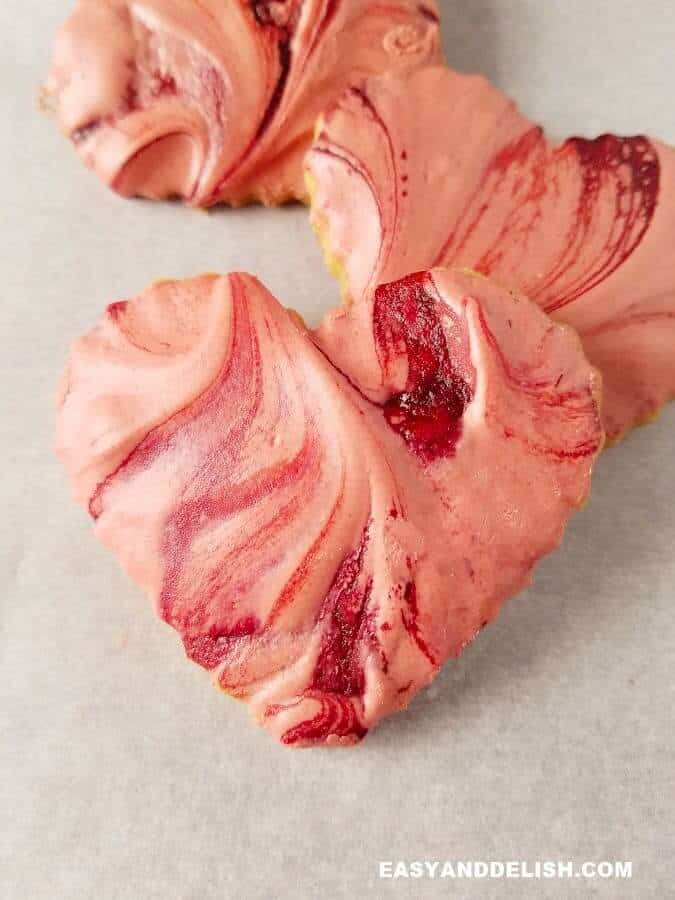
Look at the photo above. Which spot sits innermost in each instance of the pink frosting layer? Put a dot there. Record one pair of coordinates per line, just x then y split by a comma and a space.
322, 555
215, 101
441, 169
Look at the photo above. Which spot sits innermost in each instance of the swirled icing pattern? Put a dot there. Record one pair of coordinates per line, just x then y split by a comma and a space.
442, 169
321, 554
215, 101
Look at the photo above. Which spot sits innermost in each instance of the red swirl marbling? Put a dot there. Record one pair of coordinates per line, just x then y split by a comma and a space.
441, 169
215, 101
320, 553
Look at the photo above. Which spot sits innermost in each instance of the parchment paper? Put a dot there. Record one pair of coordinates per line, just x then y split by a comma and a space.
124, 774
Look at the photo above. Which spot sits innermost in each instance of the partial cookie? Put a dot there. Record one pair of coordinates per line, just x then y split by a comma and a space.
214, 101
323, 555
441, 169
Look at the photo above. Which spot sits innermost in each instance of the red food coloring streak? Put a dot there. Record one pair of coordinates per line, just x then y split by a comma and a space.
209, 650
163, 85
525, 151
329, 15
131, 103
268, 17
349, 163
526, 175
336, 717
243, 628
117, 309
303, 569
428, 413
192, 605
632, 163
428, 14
284, 50
353, 167
218, 499
339, 668
339, 672
361, 94
263, 10
161, 437
117, 312
411, 621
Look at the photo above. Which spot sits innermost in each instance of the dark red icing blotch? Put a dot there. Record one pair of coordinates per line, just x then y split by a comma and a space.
339, 669
428, 413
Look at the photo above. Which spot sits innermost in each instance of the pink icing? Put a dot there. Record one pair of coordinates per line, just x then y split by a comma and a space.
321, 559
216, 101
442, 169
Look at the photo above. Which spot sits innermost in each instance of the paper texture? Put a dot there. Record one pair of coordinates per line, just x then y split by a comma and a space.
124, 774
